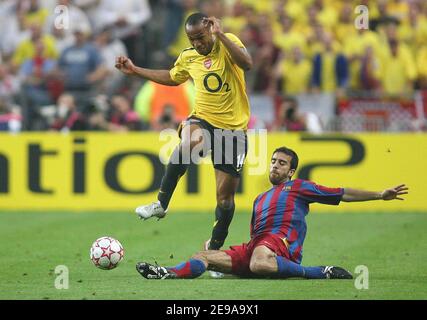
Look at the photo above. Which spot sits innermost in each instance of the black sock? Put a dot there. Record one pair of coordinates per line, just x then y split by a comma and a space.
174, 171
220, 230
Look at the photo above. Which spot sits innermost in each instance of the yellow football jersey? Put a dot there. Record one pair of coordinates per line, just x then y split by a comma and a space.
220, 86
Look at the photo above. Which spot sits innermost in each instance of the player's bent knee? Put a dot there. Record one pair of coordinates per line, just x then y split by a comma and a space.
258, 267
261, 266
225, 203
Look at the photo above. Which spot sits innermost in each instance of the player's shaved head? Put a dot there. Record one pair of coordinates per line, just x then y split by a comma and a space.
195, 19
199, 33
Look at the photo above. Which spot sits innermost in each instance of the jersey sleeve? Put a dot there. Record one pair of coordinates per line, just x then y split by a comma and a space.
313, 192
235, 39
179, 72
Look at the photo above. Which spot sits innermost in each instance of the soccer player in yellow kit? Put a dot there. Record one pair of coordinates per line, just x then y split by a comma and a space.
216, 63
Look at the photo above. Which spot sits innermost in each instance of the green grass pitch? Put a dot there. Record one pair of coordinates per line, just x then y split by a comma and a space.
392, 245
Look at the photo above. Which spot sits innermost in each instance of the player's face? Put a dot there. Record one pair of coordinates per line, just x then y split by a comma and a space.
280, 168
200, 38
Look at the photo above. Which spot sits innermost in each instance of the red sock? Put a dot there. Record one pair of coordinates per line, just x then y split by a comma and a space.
192, 268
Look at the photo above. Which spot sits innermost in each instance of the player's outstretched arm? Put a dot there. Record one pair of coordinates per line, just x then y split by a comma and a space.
239, 55
125, 65
351, 195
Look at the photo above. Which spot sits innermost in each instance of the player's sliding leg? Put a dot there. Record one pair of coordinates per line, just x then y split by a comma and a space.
150, 271
193, 268
288, 269
265, 262
226, 187
176, 168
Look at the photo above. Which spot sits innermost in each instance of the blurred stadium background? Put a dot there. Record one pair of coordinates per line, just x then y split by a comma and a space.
76, 135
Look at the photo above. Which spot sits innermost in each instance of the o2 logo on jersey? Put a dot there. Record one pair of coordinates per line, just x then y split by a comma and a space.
211, 86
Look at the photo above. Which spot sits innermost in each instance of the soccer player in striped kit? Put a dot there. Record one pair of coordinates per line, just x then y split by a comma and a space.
278, 230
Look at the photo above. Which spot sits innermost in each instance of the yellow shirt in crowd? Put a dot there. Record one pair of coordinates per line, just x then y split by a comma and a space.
296, 76
422, 62
26, 50
328, 72
397, 72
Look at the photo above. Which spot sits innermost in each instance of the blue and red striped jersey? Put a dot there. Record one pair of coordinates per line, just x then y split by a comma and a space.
282, 210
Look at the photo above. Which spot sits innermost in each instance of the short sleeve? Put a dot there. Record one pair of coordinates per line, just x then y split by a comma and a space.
312, 192
179, 72
235, 39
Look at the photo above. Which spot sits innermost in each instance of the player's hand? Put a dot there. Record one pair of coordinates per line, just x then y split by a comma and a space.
394, 193
214, 24
125, 65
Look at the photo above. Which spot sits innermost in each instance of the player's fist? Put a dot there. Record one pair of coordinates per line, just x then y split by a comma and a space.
125, 65
394, 193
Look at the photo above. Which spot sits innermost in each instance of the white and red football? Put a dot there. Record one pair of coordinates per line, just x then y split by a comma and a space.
106, 253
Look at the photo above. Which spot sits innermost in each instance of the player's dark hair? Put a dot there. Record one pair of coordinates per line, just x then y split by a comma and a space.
195, 19
289, 152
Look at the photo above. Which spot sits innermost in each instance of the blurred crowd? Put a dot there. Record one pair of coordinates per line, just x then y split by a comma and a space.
57, 57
